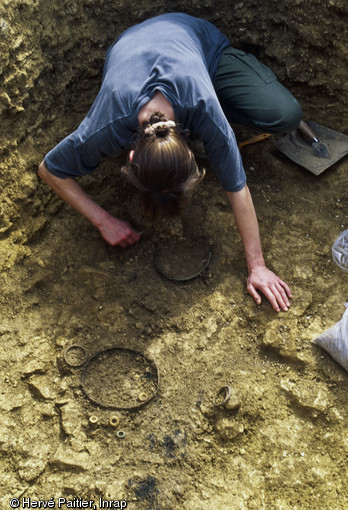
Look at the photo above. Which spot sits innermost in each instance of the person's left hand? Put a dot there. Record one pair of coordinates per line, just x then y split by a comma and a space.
276, 291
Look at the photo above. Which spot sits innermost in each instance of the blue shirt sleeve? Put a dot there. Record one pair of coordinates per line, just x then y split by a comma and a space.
211, 126
81, 152
225, 159
70, 159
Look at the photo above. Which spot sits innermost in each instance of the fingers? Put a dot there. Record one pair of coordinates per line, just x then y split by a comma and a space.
129, 239
277, 293
134, 237
284, 293
286, 288
276, 299
254, 294
119, 233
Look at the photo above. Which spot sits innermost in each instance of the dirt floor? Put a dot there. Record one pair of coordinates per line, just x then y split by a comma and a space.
283, 442
280, 443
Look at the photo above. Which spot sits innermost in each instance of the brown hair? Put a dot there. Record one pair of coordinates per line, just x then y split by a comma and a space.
163, 168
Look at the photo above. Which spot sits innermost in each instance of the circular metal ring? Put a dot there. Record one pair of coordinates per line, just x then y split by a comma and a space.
76, 347
124, 407
120, 434
114, 421
142, 397
93, 419
227, 391
166, 275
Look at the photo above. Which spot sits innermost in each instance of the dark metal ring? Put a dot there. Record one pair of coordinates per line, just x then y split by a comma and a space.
68, 349
227, 391
186, 278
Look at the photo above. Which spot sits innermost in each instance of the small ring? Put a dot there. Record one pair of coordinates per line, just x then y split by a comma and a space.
120, 434
93, 419
227, 391
142, 397
68, 349
114, 421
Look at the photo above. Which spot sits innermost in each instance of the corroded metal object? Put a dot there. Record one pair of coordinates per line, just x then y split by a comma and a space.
114, 421
151, 374
163, 266
69, 350
223, 396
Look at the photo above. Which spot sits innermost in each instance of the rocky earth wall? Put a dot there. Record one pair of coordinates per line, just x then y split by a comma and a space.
51, 58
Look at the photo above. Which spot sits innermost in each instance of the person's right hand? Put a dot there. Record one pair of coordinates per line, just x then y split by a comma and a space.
118, 232
112, 230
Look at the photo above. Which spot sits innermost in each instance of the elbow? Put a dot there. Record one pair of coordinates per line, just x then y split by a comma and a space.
45, 174
50, 179
42, 170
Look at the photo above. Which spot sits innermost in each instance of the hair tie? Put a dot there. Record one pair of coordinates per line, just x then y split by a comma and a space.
162, 124
151, 129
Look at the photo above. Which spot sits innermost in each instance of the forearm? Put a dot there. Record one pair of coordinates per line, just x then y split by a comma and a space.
247, 224
72, 193
260, 278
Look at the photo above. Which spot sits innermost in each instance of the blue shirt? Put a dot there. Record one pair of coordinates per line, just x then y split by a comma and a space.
176, 54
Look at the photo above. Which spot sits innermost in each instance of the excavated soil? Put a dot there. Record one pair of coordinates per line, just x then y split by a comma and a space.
280, 442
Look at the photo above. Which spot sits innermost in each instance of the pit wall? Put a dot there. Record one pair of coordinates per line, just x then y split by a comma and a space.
51, 58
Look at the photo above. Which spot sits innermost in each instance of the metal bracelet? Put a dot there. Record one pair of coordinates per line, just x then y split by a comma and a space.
140, 402
227, 390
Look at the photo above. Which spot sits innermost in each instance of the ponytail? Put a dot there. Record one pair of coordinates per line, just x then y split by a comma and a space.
163, 168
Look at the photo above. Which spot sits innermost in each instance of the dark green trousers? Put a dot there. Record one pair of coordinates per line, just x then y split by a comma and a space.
251, 95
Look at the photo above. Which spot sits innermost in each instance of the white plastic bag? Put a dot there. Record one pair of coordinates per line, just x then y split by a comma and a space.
340, 251
335, 340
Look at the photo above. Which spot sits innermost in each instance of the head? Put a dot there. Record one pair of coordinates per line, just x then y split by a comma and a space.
162, 168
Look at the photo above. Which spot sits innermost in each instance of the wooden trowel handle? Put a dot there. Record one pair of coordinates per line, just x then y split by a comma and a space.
306, 130
254, 139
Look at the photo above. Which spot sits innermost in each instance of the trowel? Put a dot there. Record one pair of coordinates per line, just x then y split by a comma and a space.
319, 148
313, 146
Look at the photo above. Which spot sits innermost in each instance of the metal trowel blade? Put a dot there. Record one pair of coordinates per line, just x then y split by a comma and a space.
320, 150
302, 152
